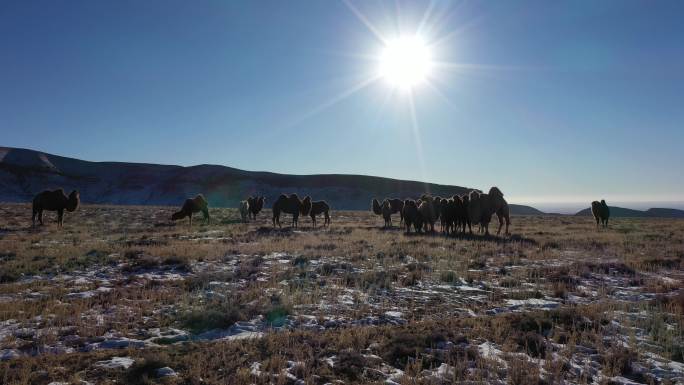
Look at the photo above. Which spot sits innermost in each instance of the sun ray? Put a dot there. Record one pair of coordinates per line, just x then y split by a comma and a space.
459, 66
365, 21
433, 85
334, 100
416, 137
426, 17
450, 35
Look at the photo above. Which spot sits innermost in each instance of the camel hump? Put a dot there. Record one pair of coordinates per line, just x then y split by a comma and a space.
494, 191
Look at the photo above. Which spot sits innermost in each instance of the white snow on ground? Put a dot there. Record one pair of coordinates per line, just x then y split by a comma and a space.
116, 363
90, 293
490, 351
255, 369
531, 302
240, 330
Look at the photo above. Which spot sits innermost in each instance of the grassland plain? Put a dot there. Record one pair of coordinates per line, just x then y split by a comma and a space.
123, 295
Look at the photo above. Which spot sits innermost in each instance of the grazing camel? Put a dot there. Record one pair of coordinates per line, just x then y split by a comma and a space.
601, 212
191, 206
255, 205
244, 210
54, 200
289, 205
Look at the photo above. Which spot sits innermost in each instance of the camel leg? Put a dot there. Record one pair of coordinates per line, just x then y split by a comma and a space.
500, 218
33, 218
40, 217
313, 220
327, 218
60, 217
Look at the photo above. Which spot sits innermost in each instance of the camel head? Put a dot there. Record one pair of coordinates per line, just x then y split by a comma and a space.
177, 215
73, 201
494, 191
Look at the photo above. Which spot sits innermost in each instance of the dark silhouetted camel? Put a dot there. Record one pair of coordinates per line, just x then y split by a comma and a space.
255, 205
288, 205
601, 212
54, 200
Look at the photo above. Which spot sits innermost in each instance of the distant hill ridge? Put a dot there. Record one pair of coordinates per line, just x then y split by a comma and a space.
24, 172
622, 212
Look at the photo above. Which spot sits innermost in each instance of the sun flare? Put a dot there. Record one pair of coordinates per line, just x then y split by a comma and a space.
405, 62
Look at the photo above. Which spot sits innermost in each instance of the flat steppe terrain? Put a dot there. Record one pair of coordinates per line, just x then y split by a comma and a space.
123, 295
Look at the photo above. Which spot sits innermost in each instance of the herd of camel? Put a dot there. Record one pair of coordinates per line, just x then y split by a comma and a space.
454, 214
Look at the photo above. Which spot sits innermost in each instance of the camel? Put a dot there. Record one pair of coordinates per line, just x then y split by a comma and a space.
54, 200
316, 208
429, 208
255, 205
387, 212
601, 212
412, 216
500, 207
397, 206
289, 205
461, 212
464, 213
376, 208
191, 206
448, 216
479, 211
244, 210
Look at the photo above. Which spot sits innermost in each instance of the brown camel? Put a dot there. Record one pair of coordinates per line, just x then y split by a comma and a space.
386, 210
397, 206
191, 206
500, 207
429, 208
255, 205
316, 208
289, 205
54, 200
412, 216
601, 212
244, 210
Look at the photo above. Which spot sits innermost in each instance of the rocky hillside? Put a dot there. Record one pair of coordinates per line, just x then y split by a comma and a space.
23, 173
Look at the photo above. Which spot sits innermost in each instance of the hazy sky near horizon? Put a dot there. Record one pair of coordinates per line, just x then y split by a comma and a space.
551, 101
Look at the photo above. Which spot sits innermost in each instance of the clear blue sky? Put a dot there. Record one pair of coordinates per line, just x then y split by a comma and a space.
551, 101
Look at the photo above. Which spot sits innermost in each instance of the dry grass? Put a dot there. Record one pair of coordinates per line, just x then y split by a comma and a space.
558, 302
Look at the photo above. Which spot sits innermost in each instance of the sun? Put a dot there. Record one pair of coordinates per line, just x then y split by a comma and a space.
405, 62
